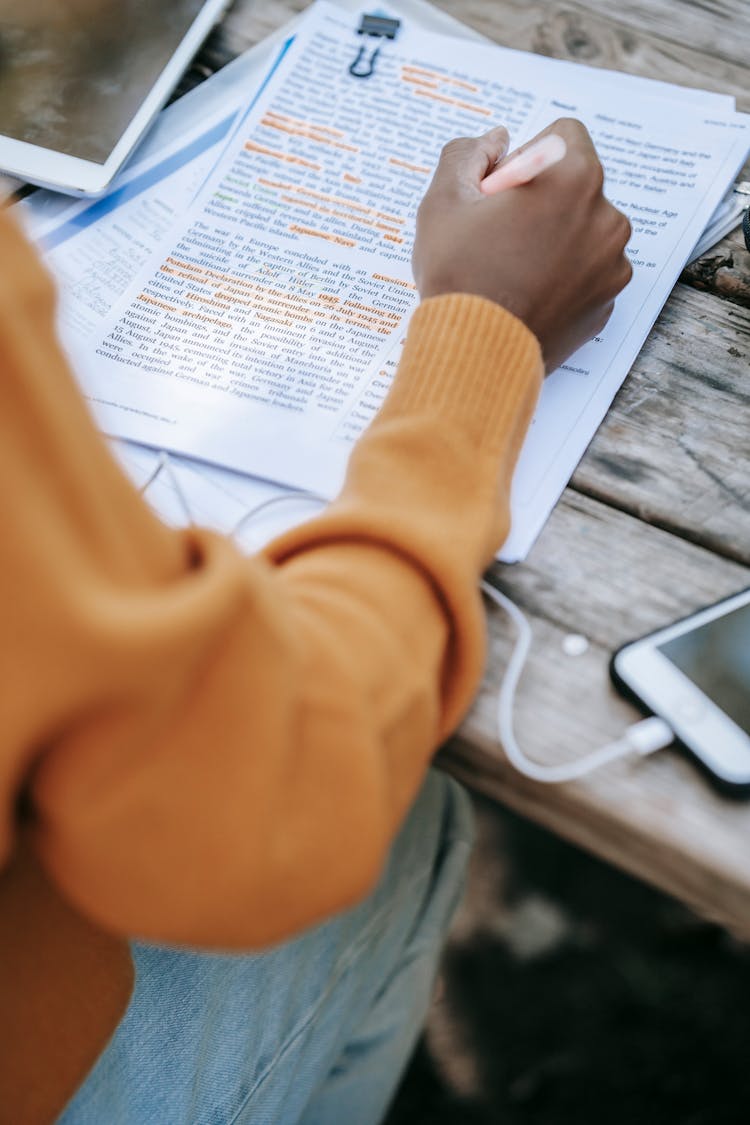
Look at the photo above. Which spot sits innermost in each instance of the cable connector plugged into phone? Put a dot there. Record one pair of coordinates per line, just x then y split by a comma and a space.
648, 736
642, 738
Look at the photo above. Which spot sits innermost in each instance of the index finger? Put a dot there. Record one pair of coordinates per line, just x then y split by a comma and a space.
521, 167
466, 161
573, 132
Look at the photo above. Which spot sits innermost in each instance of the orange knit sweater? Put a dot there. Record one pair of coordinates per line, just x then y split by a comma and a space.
206, 749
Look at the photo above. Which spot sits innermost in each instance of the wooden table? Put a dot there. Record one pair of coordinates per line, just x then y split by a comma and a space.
656, 521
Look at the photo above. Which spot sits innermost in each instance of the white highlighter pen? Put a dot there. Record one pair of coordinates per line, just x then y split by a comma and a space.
527, 165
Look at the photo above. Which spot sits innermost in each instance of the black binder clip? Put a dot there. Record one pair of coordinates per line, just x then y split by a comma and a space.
378, 27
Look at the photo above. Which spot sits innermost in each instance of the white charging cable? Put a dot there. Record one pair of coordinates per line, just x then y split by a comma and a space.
165, 469
300, 495
645, 737
642, 738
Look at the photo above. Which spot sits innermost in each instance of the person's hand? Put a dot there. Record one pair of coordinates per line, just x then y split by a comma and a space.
550, 251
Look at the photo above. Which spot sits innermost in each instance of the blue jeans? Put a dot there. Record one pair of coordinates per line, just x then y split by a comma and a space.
315, 1032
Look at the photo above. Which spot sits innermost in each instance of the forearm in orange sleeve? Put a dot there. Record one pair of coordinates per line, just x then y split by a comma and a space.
223, 748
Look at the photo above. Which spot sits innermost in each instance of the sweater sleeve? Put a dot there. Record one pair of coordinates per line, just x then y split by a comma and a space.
218, 750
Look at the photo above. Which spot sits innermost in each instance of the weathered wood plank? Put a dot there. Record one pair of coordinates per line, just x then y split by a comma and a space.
715, 28
674, 448
608, 576
674, 40
724, 270
709, 879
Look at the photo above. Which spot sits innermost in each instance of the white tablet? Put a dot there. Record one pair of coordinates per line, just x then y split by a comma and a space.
81, 80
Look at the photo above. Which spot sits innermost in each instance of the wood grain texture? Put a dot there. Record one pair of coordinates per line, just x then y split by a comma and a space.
696, 44
713, 28
610, 577
653, 38
724, 271
675, 445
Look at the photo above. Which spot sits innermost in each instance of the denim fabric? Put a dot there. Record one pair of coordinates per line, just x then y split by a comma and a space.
314, 1032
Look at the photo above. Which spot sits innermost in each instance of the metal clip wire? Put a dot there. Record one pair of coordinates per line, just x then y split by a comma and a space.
379, 27
362, 67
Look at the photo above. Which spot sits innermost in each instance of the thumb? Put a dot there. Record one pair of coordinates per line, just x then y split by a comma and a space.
526, 164
465, 162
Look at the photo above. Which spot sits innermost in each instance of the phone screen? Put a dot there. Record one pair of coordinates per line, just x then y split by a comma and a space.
73, 73
716, 657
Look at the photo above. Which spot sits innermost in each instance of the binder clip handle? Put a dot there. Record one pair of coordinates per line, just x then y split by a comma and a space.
379, 27
363, 66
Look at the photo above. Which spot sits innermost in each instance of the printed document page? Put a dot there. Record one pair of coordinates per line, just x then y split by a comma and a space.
95, 248
264, 336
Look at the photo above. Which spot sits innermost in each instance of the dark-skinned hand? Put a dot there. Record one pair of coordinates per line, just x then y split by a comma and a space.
551, 251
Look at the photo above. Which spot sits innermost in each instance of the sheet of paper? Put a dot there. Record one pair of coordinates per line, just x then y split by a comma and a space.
95, 248
182, 491
261, 338
94, 259
133, 221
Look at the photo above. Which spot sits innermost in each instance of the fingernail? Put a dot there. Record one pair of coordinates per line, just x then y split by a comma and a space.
529, 164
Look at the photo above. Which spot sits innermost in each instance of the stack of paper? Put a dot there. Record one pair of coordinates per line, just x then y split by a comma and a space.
241, 298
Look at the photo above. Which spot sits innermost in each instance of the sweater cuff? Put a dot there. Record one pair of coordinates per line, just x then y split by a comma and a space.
473, 362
